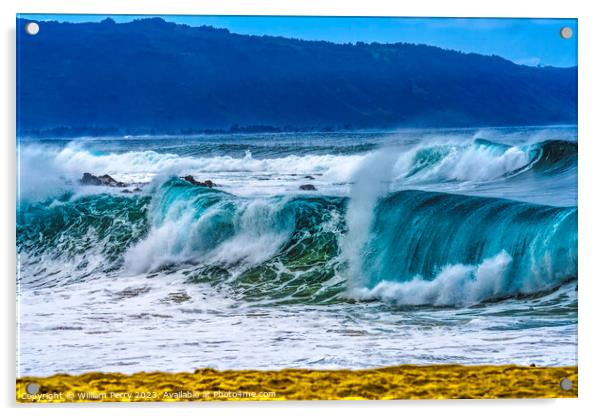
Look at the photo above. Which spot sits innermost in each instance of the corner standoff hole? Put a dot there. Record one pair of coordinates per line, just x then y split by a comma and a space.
566, 32
32, 388
566, 384
32, 28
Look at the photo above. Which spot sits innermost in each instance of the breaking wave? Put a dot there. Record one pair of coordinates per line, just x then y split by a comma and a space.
44, 170
417, 247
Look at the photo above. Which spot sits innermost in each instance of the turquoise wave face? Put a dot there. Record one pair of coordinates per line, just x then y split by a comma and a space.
471, 249
421, 248
68, 226
499, 161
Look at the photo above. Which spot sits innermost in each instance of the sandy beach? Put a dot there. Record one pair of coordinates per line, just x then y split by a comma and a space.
389, 383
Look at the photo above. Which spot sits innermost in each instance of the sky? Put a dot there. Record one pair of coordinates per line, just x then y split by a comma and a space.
524, 41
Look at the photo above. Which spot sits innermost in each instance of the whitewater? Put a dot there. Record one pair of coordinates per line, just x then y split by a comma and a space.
411, 247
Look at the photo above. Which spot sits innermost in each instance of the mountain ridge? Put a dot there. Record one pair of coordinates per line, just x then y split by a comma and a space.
150, 74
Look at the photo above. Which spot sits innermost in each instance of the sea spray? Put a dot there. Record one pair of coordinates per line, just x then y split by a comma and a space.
39, 174
370, 182
437, 164
191, 224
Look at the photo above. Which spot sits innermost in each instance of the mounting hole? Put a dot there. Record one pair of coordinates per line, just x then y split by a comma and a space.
32, 28
566, 32
32, 388
566, 384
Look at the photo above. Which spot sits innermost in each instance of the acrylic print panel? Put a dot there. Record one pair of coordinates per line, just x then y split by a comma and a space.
277, 208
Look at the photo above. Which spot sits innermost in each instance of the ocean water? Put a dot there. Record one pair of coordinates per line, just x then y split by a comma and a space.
416, 247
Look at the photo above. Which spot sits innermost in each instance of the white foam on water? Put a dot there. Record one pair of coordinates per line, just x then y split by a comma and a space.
466, 166
49, 171
455, 285
135, 323
469, 162
182, 236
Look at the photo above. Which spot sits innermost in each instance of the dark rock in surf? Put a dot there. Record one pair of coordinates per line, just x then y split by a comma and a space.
108, 180
89, 179
131, 191
307, 187
309, 177
207, 184
103, 180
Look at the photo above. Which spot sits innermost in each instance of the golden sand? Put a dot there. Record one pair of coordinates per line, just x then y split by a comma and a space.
402, 382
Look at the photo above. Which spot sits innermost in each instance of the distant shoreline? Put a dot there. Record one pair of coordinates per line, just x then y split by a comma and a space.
77, 132
400, 382
172, 77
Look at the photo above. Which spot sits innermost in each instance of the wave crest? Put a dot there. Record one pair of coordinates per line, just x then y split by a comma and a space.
416, 247
47, 171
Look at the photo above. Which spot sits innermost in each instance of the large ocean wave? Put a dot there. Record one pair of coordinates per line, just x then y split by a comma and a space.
437, 246
486, 160
411, 248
